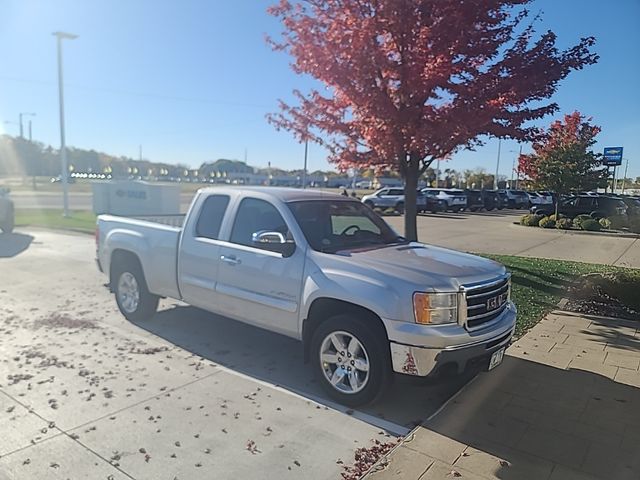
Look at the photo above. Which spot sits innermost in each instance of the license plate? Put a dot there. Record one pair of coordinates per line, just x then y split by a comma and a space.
496, 358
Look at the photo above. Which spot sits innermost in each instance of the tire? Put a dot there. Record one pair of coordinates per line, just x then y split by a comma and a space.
597, 215
400, 207
9, 222
374, 350
126, 280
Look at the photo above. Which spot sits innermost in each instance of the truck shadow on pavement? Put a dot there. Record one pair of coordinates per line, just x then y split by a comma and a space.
278, 360
532, 420
13, 244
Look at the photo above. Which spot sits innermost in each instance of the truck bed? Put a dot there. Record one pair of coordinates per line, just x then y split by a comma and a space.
153, 238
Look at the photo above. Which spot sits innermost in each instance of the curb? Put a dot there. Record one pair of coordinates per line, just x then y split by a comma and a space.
55, 229
583, 232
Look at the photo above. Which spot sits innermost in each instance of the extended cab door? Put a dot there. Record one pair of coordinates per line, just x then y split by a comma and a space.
255, 284
199, 253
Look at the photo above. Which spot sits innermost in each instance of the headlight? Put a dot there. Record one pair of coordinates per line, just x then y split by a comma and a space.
435, 308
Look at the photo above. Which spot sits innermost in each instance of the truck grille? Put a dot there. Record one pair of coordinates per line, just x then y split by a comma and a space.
486, 302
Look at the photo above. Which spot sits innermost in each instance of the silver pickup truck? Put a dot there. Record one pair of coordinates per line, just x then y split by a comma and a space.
321, 268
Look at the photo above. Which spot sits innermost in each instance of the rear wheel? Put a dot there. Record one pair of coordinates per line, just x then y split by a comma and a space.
350, 360
597, 215
400, 207
134, 300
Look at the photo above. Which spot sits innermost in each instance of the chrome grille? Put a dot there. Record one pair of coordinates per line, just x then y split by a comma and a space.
485, 302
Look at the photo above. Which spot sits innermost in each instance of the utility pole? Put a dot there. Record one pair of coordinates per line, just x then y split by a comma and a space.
30, 138
24, 114
63, 149
438, 174
624, 178
245, 155
495, 180
304, 170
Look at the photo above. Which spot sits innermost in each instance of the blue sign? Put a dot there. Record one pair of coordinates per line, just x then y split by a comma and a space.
613, 156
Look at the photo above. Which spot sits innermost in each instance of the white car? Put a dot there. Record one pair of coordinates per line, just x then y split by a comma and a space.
391, 198
455, 199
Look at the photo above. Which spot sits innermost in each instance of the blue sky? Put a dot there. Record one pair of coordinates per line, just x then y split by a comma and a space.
192, 80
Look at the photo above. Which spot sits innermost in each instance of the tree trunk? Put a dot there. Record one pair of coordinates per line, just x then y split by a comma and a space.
410, 194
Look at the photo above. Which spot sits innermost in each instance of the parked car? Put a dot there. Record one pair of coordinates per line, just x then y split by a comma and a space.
633, 205
430, 203
516, 198
323, 269
491, 200
546, 197
7, 211
58, 179
455, 200
474, 200
598, 207
391, 198
503, 200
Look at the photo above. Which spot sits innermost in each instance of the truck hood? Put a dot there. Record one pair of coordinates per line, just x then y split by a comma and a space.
426, 266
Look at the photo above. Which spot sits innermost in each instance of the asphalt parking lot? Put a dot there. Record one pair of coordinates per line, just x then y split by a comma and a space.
189, 395
494, 232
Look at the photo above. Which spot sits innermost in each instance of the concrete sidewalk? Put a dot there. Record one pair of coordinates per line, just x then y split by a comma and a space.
564, 405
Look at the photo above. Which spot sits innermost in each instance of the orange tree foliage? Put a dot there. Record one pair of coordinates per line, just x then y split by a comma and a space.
562, 160
411, 81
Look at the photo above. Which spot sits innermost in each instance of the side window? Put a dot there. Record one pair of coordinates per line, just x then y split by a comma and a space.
211, 215
396, 191
384, 192
585, 202
254, 215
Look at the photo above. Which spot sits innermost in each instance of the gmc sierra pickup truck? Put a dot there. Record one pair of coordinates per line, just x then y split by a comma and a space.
321, 268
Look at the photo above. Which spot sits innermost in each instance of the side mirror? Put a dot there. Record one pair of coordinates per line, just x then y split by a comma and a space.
274, 242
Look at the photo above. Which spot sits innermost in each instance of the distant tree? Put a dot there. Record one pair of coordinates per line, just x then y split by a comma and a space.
562, 160
411, 81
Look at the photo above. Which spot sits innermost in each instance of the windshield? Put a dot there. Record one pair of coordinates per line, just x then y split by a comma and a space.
333, 225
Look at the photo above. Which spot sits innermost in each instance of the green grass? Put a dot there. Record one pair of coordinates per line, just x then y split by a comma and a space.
538, 284
78, 220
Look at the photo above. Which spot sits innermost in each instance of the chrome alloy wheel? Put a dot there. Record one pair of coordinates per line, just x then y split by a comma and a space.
344, 362
128, 292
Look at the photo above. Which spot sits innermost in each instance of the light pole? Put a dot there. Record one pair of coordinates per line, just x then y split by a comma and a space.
23, 114
63, 149
495, 180
304, 170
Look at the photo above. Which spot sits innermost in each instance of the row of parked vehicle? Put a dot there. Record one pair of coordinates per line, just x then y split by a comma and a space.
593, 204
457, 200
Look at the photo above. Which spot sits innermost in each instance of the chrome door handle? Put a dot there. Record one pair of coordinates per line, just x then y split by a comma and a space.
230, 259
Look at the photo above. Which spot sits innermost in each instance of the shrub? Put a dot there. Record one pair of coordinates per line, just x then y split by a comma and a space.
547, 222
564, 224
577, 222
530, 220
605, 223
558, 217
618, 221
591, 225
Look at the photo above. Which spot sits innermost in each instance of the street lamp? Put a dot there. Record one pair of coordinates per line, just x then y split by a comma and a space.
63, 150
495, 180
20, 115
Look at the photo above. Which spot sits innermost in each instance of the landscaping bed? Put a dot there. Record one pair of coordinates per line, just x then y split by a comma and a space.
611, 294
615, 224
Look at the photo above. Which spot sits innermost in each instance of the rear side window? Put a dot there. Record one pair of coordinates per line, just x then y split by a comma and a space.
211, 215
396, 191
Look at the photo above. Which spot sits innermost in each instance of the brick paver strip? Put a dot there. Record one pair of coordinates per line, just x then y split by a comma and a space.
564, 405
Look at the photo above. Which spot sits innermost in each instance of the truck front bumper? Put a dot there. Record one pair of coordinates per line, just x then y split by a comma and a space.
424, 361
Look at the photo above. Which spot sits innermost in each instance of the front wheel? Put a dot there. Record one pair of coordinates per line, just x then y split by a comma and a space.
134, 300
351, 362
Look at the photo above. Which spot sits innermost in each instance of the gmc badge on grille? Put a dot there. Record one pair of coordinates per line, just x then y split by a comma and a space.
496, 302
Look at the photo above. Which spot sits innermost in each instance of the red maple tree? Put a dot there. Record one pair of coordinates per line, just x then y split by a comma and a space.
411, 81
563, 160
